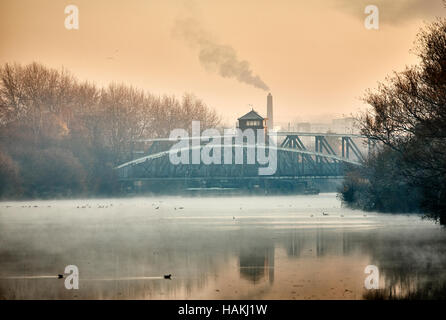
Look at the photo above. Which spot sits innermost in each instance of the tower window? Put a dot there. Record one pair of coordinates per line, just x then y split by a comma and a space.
253, 123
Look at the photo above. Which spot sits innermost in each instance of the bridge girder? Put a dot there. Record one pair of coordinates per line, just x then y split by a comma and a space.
294, 158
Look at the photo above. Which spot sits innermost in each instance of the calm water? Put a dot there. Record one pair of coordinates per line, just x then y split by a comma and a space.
215, 248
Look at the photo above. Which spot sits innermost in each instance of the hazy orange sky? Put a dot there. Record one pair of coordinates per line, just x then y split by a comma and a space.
316, 56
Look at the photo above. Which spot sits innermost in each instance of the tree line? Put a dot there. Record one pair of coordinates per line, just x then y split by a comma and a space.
62, 137
407, 117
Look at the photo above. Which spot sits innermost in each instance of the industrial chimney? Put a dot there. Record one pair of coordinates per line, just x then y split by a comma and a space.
269, 112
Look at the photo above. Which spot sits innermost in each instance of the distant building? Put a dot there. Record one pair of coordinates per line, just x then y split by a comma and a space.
303, 127
320, 127
344, 125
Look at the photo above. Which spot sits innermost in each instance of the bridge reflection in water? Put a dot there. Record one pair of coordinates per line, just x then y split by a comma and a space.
302, 159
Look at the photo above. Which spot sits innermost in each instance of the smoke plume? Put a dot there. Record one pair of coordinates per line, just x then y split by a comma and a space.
216, 57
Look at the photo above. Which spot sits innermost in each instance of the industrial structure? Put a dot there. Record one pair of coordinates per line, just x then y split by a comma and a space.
304, 160
251, 120
269, 112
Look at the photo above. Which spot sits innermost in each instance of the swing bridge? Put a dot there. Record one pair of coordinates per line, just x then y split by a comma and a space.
302, 159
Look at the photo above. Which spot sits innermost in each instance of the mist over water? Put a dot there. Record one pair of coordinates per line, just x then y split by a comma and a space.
275, 247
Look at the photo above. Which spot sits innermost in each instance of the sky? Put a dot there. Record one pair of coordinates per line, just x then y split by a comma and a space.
315, 57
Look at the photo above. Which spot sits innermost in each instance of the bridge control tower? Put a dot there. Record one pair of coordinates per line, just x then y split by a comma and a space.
251, 120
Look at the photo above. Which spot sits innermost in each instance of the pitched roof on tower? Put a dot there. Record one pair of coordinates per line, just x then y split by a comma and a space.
251, 115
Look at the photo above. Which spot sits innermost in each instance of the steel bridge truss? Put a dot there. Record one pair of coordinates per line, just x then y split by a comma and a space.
294, 159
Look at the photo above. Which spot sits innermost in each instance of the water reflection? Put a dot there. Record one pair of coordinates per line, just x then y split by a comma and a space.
257, 263
216, 248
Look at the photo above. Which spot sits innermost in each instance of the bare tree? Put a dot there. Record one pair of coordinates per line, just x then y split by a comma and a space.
408, 115
45, 111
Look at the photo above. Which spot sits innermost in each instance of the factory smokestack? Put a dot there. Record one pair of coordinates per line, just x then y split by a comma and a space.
269, 112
